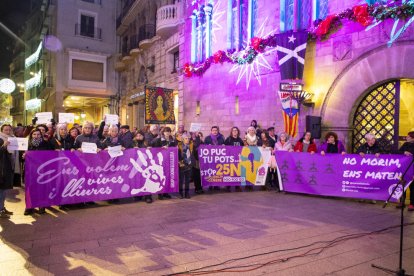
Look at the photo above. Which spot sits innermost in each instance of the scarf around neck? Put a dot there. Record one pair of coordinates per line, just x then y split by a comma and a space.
251, 139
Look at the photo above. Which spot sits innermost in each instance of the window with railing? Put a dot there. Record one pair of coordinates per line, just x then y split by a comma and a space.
87, 27
176, 62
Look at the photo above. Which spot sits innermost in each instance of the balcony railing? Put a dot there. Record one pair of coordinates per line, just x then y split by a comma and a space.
86, 31
146, 31
168, 17
124, 11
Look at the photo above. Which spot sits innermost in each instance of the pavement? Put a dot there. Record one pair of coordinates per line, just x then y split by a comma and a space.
249, 233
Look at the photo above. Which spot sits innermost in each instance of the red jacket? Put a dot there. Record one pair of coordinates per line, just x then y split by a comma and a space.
299, 147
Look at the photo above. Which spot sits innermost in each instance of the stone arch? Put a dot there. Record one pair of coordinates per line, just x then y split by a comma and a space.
373, 67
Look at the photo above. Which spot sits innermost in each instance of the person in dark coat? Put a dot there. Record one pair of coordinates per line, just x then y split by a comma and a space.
234, 138
61, 140
186, 162
126, 137
87, 136
152, 134
139, 142
6, 177
113, 139
166, 140
371, 146
37, 142
215, 138
408, 149
197, 142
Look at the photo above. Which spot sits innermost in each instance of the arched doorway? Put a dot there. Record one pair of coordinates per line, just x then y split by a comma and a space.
378, 113
385, 112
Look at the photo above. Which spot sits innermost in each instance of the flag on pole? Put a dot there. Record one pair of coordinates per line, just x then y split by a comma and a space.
290, 113
291, 49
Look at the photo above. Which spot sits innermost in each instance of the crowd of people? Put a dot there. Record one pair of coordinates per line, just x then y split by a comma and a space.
54, 136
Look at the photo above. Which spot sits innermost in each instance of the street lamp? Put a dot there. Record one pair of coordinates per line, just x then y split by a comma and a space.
7, 86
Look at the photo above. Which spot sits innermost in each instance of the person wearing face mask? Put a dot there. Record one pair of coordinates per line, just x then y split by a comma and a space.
36, 142
306, 144
166, 140
61, 140
332, 144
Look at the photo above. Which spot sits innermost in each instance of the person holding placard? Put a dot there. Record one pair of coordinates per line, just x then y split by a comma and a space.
36, 142
87, 136
6, 176
197, 141
5, 134
234, 140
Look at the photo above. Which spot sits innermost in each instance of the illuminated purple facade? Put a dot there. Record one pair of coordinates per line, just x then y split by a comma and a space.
340, 71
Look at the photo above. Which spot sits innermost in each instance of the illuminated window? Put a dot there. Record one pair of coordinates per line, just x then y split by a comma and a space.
241, 22
236, 105
299, 15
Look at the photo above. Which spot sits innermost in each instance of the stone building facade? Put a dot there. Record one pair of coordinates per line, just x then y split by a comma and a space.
341, 71
150, 45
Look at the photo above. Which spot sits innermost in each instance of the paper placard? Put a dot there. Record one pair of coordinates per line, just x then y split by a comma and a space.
194, 127
18, 143
44, 117
68, 118
89, 147
111, 119
115, 151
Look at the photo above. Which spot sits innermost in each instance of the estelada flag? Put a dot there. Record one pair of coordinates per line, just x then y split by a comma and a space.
291, 49
290, 113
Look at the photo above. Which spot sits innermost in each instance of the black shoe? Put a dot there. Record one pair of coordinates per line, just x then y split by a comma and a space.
238, 189
6, 211
137, 198
64, 207
228, 189
181, 195
167, 196
160, 197
187, 195
42, 210
216, 188
148, 200
28, 212
3, 215
210, 188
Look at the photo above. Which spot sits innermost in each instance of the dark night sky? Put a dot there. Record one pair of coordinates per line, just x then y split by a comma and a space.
12, 14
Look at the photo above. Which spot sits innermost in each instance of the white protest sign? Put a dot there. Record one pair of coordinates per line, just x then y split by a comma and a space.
89, 147
111, 119
44, 117
115, 151
18, 143
68, 118
194, 127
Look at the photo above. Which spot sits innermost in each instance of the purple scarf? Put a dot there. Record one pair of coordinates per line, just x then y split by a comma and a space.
214, 140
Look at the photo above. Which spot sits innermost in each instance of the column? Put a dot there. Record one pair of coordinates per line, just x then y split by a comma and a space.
208, 10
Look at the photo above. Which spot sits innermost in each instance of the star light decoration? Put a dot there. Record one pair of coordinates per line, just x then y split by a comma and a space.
215, 20
254, 68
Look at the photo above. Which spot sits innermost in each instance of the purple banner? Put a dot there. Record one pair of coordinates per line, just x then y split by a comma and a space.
233, 165
64, 177
347, 175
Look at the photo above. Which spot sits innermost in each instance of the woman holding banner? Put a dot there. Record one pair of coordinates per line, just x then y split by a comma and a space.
165, 141
6, 173
36, 142
251, 138
139, 142
306, 144
332, 144
186, 162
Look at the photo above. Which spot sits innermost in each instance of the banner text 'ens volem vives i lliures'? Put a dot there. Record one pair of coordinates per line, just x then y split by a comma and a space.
64, 177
